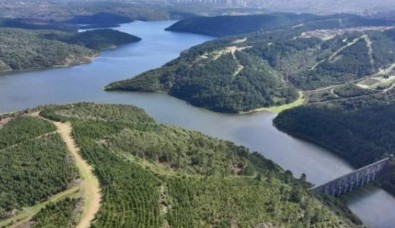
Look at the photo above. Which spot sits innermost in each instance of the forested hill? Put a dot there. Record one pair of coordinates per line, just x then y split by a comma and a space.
32, 24
95, 39
265, 69
101, 19
153, 175
220, 26
354, 121
98, 20
233, 25
22, 49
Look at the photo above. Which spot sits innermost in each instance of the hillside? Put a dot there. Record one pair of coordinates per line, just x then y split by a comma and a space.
232, 25
155, 175
224, 80
22, 49
33, 24
95, 39
106, 13
34, 164
355, 121
221, 26
73, 11
265, 69
100, 19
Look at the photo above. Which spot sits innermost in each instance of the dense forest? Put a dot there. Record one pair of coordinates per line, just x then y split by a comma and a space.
221, 26
231, 83
153, 175
24, 23
95, 39
233, 25
73, 11
112, 12
264, 69
32, 49
100, 19
359, 129
34, 164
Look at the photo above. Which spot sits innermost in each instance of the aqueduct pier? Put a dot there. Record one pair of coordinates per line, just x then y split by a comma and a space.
352, 181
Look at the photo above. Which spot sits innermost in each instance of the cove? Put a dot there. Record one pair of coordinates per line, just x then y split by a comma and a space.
79, 83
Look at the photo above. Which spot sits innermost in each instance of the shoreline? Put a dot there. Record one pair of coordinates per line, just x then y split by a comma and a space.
272, 109
88, 59
277, 109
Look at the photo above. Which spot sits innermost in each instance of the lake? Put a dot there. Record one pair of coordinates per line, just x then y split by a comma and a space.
86, 82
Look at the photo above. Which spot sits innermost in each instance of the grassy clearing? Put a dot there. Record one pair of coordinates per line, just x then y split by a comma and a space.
277, 109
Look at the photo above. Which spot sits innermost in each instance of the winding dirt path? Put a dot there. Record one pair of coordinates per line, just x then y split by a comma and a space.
90, 187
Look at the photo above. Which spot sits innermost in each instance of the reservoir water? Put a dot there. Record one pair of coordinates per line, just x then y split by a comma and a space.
18, 91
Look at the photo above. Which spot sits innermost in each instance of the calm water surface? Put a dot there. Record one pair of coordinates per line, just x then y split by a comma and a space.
86, 82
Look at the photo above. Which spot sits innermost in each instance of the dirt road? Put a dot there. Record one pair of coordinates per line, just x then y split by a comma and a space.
90, 187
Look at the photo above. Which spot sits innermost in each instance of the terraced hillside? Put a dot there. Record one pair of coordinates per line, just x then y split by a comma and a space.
266, 69
153, 175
